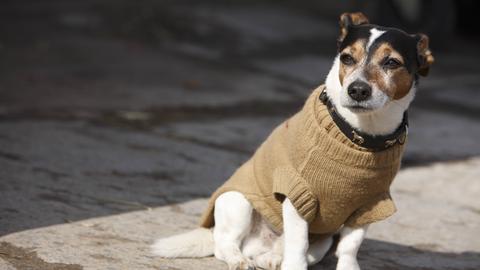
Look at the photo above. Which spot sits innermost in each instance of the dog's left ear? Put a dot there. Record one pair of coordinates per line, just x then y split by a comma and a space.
424, 55
350, 19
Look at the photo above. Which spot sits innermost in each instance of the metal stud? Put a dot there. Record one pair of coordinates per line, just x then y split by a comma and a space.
389, 143
357, 138
402, 138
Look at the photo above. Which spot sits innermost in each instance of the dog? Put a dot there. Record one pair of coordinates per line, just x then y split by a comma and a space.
325, 171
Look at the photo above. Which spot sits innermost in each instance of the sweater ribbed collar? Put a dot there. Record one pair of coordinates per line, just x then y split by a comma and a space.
331, 139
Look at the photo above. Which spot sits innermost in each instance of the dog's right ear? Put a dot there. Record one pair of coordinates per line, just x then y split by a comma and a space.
350, 19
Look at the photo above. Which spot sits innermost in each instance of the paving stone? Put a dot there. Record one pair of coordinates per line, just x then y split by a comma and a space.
311, 69
56, 172
265, 24
422, 234
6, 266
114, 242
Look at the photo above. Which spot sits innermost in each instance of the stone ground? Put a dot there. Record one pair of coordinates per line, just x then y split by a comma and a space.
117, 121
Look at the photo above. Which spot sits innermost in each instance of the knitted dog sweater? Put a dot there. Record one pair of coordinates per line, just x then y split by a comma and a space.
329, 180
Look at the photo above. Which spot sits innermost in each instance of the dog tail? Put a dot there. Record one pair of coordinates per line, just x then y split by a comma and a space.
193, 244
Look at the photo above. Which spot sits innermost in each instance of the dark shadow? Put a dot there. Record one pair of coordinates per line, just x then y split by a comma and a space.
383, 255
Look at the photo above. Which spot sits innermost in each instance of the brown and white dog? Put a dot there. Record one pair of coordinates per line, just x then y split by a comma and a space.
371, 84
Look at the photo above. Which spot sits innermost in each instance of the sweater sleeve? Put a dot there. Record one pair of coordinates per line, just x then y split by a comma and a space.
287, 183
377, 210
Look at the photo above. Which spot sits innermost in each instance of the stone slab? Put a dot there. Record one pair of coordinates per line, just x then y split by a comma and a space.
433, 229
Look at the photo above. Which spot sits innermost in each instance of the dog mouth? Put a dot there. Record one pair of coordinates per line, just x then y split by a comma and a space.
357, 108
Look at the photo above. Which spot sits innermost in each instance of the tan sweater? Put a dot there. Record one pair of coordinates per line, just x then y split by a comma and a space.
328, 179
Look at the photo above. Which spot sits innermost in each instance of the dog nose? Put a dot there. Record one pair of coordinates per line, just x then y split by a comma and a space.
359, 90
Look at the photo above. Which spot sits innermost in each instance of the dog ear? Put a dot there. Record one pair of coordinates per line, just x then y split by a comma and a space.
424, 55
349, 19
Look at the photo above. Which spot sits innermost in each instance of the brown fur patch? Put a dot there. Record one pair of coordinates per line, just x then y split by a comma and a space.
357, 51
399, 80
374, 75
358, 18
401, 83
347, 19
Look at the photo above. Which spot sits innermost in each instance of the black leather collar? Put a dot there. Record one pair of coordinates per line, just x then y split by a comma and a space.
370, 142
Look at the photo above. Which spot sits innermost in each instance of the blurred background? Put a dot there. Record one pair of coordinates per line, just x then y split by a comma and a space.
109, 107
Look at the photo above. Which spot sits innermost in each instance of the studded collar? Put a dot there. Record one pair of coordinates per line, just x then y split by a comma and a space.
370, 142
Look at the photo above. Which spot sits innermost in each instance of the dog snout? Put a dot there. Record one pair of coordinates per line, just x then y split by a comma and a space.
359, 91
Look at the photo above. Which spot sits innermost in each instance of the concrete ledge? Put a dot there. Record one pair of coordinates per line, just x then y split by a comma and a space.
434, 229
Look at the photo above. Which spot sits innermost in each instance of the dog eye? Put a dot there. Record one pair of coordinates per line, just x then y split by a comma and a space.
392, 63
347, 59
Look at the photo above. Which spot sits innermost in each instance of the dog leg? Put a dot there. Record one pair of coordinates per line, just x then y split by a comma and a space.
317, 250
295, 232
347, 249
233, 214
271, 259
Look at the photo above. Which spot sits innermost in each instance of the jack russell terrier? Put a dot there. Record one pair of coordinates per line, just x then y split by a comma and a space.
326, 170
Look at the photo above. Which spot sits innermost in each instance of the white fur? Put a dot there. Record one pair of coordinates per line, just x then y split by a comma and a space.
261, 239
243, 239
295, 233
374, 34
196, 243
347, 249
383, 119
233, 217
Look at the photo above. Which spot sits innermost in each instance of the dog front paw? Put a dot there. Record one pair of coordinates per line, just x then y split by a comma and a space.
291, 265
269, 261
246, 265
347, 263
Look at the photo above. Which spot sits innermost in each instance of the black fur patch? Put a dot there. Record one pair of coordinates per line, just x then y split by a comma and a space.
402, 42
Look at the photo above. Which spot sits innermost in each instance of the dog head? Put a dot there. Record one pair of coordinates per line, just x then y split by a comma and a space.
376, 65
